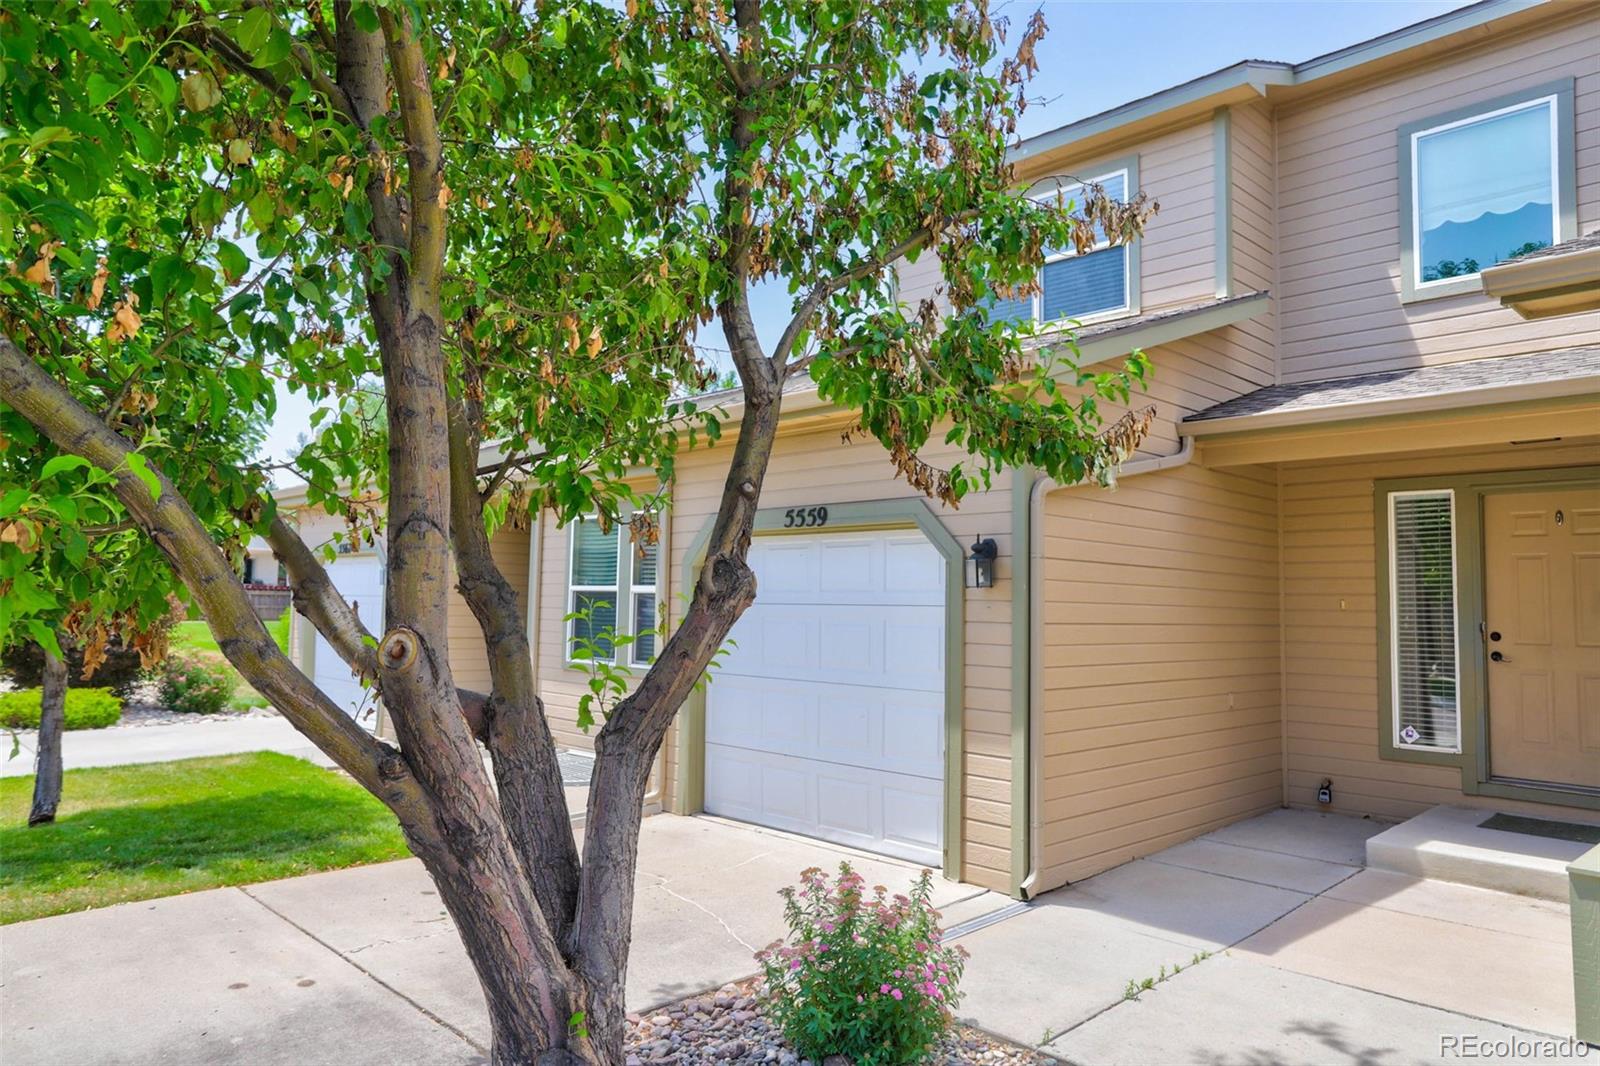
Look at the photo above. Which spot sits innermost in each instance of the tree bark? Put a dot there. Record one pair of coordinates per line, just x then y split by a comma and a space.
47, 760
532, 797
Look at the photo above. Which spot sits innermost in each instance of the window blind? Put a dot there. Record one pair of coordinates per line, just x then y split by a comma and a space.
1085, 284
1423, 620
594, 559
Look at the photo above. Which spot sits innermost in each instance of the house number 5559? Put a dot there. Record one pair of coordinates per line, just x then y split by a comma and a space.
805, 517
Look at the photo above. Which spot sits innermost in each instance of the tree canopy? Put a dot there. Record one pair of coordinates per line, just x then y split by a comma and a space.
509, 222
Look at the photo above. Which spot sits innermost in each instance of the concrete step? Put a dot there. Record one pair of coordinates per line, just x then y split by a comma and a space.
1451, 844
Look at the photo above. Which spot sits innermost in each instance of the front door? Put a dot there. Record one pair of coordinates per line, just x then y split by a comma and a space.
1542, 634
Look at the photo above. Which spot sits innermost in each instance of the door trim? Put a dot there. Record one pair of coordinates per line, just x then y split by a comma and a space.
1473, 760
909, 513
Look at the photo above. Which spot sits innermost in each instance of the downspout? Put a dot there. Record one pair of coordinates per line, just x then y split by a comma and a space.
1035, 637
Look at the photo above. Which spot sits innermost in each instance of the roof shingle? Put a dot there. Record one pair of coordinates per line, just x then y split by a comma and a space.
1563, 365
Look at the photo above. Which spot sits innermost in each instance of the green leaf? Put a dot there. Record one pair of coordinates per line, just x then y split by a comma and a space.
163, 84
141, 469
44, 636
253, 29
48, 135
61, 463
100, 89
233, 261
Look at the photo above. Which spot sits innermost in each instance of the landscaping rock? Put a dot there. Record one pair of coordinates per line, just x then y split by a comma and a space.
727, 1028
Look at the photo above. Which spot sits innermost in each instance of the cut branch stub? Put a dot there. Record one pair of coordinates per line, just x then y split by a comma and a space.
399, 649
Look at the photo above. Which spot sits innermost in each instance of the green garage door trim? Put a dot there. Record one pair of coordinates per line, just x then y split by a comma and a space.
854, 518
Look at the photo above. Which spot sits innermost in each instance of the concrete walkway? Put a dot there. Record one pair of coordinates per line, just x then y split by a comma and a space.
1290, 952
122, 745
363, 965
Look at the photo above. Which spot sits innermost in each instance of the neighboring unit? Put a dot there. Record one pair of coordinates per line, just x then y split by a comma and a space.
1359, 554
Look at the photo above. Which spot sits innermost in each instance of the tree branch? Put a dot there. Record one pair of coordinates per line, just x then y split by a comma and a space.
424, 152
532, 796
195, 557
316, 598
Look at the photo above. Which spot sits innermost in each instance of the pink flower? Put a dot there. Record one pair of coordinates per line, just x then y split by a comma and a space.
795, 965
883, 988
897, 994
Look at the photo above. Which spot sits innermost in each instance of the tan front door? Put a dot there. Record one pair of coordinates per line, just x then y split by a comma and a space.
1542, 634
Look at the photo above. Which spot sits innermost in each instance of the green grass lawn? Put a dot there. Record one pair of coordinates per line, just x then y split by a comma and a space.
194, 636
137, 832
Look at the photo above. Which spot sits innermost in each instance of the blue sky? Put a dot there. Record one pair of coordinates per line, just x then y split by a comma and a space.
1102, 53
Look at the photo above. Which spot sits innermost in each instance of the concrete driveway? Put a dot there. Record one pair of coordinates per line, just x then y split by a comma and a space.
363, 965
1286, 950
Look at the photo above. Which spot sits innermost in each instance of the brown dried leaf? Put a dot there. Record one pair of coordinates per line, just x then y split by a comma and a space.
39, 273
125, 321
200, 91
97, 287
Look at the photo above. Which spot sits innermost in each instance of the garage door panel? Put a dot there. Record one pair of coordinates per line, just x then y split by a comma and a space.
897, 647
827, 716
870, 728
841, 569
890, 814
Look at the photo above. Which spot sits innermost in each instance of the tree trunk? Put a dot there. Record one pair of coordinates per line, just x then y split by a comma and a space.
47, 761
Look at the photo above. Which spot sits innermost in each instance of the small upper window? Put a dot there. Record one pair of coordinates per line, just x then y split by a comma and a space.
1484, 189
1093, 284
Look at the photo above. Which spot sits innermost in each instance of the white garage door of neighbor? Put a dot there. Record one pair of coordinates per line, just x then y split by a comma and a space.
827, 717
359, 578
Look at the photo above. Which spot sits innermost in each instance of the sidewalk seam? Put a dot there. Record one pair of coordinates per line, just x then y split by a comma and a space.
1223, 950
391, 989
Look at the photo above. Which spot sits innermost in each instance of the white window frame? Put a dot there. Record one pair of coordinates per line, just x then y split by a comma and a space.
1394, 620
625, 590
1100, 246
635, 590
573, 588
1551, 101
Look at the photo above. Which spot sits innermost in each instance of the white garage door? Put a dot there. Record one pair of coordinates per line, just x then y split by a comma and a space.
827, 718
360, 579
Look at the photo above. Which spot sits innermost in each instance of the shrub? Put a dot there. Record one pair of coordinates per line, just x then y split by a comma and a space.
23, 663
859, 976
87, 708
192, 685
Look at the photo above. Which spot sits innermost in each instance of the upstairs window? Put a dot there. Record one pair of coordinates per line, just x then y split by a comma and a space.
1096, 284
1486, 186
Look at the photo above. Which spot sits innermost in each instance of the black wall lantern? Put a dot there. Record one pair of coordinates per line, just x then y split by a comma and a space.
980, 564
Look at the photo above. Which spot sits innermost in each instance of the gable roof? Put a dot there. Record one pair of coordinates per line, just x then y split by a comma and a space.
1256, 77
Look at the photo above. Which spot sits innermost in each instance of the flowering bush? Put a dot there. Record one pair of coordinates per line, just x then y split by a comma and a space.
195, 686
861, 976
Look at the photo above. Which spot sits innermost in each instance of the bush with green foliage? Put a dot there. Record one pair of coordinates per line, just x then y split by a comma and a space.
86, 708
861, 976
23, 664
192, 685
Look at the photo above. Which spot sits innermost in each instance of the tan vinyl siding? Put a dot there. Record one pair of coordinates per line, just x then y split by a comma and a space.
1160, 672
1178, 250
1331, 717
817, 468
1338, 281
469, 659
1254, 196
